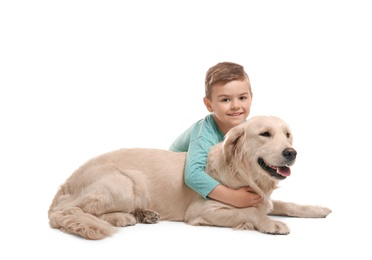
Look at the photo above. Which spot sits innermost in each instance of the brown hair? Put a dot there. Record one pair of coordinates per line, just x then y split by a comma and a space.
223, 72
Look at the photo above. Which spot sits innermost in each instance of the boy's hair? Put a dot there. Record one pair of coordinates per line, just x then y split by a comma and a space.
223, 72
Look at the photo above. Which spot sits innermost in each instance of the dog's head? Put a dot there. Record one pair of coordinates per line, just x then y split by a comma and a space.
262, 144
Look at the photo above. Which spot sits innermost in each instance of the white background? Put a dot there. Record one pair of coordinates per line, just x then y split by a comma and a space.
79, 78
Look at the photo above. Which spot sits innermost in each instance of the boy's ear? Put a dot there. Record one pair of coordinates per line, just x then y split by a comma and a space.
207, 104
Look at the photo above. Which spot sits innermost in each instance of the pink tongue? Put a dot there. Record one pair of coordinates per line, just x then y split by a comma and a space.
284, 171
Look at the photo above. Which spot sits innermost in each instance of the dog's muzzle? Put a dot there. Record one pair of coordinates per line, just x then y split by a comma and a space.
280, 172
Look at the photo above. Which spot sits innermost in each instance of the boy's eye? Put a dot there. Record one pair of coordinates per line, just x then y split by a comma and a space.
224, 99
243, 98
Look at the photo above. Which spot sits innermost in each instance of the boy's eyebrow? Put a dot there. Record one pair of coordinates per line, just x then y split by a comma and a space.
225, 95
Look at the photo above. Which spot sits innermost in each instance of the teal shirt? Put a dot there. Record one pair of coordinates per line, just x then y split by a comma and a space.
197, 141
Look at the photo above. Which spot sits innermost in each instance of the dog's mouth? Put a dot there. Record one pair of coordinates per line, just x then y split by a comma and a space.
278, 172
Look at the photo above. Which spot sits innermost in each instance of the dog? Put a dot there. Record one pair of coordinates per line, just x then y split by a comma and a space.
143, 185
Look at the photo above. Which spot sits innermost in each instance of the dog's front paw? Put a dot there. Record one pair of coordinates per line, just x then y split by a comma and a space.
321, 212
275, 227
312, 212
147, 216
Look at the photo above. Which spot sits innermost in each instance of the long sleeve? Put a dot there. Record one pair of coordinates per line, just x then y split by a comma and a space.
195, 175
197, 141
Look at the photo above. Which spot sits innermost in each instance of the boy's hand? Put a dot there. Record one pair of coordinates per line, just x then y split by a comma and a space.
245, 197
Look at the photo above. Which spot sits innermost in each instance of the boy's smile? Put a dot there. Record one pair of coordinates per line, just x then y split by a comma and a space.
235, 114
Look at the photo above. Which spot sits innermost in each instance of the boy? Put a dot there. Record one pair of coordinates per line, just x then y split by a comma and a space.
228, 97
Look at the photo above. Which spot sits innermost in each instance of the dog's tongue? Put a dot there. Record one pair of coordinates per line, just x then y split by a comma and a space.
284, 171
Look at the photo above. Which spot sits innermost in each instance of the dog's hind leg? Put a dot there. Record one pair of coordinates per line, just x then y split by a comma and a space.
115, 192
119, 219
147, 216
109, 200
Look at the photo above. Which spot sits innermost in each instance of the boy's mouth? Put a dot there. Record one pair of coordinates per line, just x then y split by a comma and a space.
235, 114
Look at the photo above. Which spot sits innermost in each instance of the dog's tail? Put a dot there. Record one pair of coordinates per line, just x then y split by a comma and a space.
64, 215
74, 221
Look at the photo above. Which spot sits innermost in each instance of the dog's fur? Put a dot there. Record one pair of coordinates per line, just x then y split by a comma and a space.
139, 185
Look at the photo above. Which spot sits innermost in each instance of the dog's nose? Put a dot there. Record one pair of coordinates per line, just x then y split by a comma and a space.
289, 153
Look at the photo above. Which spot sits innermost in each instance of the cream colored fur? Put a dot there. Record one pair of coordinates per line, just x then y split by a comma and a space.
138, 185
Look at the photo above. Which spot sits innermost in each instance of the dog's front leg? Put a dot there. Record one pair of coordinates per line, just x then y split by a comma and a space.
213, 213
290, 209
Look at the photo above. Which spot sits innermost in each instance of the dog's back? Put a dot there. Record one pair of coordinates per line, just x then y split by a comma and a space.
124, 182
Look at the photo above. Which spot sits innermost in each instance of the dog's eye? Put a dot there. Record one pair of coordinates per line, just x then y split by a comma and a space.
266, 134
288, 135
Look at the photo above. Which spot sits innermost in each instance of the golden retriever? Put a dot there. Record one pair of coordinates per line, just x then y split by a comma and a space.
140, 185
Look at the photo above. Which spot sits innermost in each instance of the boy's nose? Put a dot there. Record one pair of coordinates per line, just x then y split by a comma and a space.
234, 105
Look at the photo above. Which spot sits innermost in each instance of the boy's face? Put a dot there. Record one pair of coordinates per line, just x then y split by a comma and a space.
230, 103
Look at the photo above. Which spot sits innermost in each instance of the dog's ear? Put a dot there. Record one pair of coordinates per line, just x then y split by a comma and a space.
233, 145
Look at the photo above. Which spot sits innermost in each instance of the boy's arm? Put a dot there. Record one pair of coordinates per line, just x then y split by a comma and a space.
197, 179
240, 198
